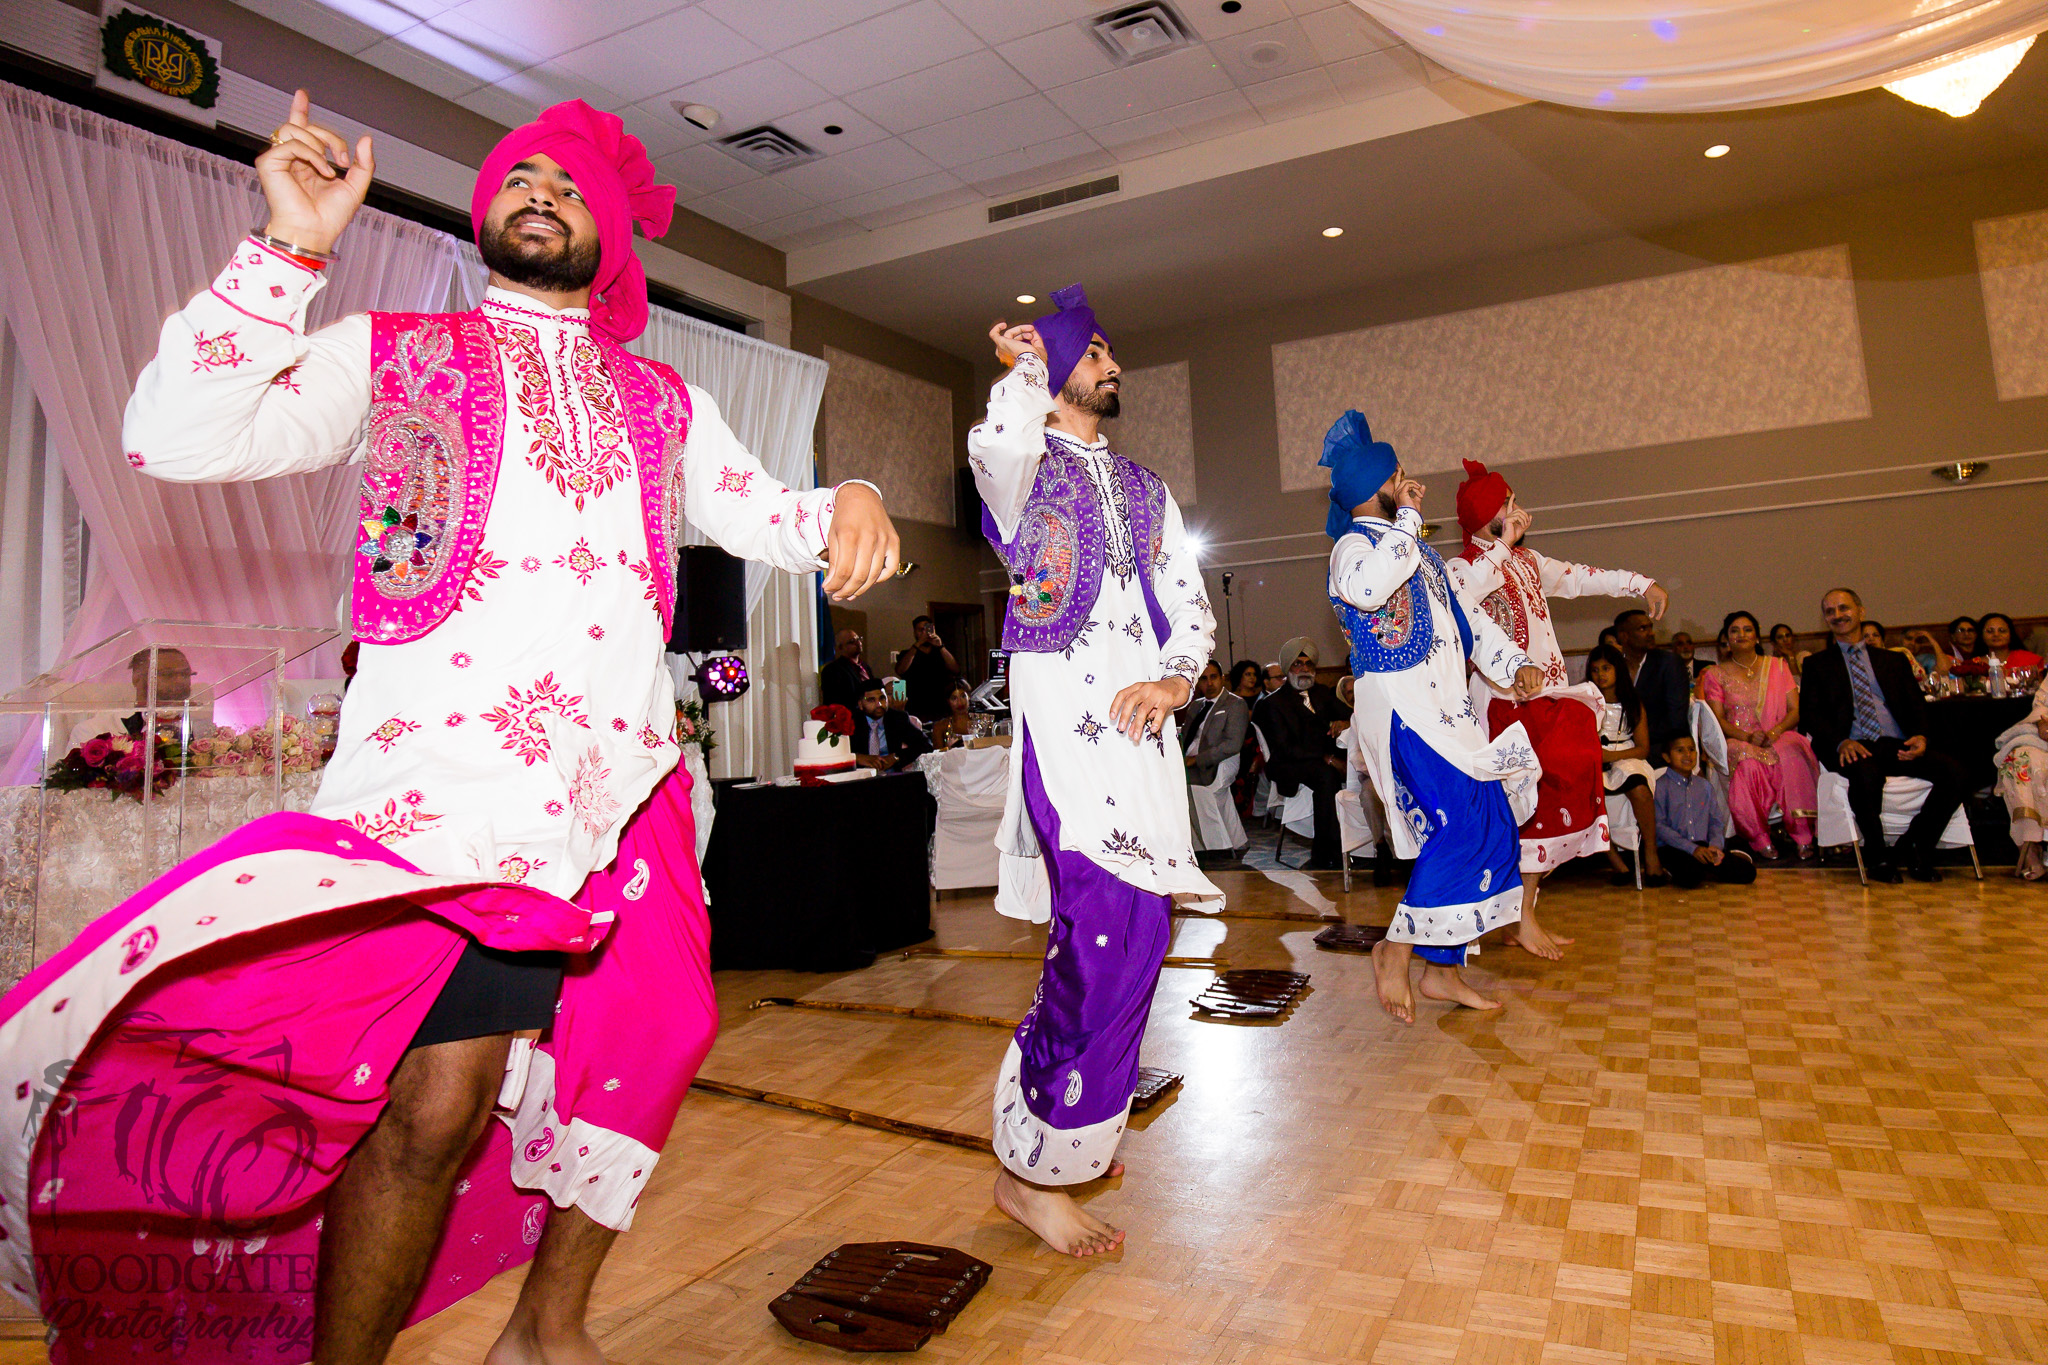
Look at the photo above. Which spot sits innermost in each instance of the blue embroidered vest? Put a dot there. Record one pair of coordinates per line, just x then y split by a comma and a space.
1055, 557
1400, 634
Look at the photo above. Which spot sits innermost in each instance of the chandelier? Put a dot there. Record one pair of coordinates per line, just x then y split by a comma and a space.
1959, 87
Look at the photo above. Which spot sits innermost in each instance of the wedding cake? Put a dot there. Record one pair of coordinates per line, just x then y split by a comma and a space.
825, 745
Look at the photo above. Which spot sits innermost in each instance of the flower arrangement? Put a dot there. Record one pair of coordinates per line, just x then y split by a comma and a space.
832, 720
229, 752
693, 726
114, 763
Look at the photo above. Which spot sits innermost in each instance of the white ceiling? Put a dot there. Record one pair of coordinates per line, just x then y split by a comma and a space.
942, 103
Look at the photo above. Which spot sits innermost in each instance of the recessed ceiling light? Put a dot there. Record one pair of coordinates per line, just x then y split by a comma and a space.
1333, 232
1718, 149
1231, 6
1027, 298
697, 115
833, 130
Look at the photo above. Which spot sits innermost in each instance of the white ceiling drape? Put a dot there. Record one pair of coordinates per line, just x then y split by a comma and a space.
1700, 55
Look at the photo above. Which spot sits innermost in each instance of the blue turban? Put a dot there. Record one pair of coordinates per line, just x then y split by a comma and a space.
1359, 466
1066, 334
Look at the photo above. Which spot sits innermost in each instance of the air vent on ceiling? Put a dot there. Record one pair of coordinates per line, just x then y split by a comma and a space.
768, 149
1052, 199
1138, 33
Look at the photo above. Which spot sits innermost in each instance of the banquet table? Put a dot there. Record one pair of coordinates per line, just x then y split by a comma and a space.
819, 879
1967, 730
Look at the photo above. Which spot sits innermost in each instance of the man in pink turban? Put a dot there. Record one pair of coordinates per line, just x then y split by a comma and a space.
271, 1073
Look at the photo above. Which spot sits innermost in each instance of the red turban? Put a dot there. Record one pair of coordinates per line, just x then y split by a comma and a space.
1480, 497
616, 179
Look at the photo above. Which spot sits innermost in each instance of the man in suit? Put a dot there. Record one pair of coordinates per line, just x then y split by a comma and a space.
1189, 718
884, 738
1213, 748
1864, 713
841, 681
1660, 679
1296, 721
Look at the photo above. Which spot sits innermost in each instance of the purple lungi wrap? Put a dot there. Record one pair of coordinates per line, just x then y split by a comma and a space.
1064, 1091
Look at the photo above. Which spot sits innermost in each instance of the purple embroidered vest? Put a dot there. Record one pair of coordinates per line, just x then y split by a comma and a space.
436, 433
1055, 558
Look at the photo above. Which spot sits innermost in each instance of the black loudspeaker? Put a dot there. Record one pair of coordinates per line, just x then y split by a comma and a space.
966, 504
711, 602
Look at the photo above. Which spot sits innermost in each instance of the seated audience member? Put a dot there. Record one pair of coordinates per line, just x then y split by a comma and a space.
1683, 647
1785, 645
1214, 752
1300, 723
928, 668
1865, 716
1756, 700
2023, 782
1661, 685
884, 738
1690, 824
1607, 638
173, 690
1874, 633
841, 679
1997, 640
1347, 692
1963, 642
958, 722
1927, 652
1624, 757
1247, 684
1200, 696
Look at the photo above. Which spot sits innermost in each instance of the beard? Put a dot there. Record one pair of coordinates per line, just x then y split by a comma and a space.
562, 266
1098, 400
1499, 531
1386, 503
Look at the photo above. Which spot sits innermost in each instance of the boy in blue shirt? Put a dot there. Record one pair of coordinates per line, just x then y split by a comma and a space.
1692, 824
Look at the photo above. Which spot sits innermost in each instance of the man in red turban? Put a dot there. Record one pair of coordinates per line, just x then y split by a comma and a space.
289, 1049
1513, 584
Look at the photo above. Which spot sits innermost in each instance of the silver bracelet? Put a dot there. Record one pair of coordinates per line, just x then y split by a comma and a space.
291, 248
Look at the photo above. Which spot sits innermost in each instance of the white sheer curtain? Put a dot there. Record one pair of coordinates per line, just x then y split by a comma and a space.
769, 396
109, 230
1646, 56
42, 538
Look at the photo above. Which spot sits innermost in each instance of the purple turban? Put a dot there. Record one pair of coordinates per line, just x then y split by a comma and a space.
1066, 334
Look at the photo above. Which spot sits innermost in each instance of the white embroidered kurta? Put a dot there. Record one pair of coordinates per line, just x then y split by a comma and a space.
1123, 805
1430, 697
1512, 587
516, 737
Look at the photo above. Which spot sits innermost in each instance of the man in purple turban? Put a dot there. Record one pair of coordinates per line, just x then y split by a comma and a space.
1107, 627
289, 1049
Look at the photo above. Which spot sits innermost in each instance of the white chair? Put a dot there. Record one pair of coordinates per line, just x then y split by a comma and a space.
969, 787
1360, 817
1264, 800
1903, 797
1217, 827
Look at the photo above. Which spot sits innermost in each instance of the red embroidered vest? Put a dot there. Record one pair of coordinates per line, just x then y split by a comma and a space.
436, 434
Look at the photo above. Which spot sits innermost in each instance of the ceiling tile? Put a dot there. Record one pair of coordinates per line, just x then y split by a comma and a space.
846, 174
661, 55
912, 192
1377, 73
1209, 20
718, 212
1140, 136
500, 105
1301, 7
658, 135
552, 28
548, 84
776, 229
883, 48
701, 170
1058, 56
998, 21
1216, 116
817, 236
765, 198
1345, 32
1292, 96
940, 92
344, 25
1179, 77
748, 96
399, 58
777, 24
919, 208
855, 128
991, 132
1041, 164
479, 65
491, 43
1266, 54
1110, 98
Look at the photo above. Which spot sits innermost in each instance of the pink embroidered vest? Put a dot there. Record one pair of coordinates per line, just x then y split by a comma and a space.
436, 434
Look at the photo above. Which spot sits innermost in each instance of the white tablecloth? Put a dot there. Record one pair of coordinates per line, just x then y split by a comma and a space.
969, 786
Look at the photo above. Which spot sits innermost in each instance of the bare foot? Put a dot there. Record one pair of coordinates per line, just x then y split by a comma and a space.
1390, 968
522, 1343
1528, 935
1116, 1168
1449, 983
1060, 1223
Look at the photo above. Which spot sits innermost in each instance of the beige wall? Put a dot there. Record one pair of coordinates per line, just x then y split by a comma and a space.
1714, 519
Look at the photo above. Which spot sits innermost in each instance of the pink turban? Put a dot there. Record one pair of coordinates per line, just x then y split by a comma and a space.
616, 180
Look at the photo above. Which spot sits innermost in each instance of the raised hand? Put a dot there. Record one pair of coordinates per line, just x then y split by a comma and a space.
312, 183
1012, 342
1408, 492
1515, 527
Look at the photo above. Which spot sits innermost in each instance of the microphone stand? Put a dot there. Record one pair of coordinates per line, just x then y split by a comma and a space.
1229, 626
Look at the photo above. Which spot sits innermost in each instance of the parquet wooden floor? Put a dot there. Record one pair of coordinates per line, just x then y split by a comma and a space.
1803, 1122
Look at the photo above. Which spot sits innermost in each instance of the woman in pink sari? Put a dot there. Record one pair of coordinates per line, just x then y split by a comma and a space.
1756, 699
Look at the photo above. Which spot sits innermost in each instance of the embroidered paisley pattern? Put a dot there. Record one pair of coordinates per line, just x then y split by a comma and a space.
1045, 546
414, 463
1398, 634
1057, 556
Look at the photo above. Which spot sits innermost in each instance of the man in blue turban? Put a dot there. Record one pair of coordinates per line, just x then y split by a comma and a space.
1454, 797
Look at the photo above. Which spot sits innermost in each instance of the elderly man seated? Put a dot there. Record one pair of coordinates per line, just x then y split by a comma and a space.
884, 738
1301, 722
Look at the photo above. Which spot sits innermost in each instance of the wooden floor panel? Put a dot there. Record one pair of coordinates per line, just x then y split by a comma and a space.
1803, 1122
